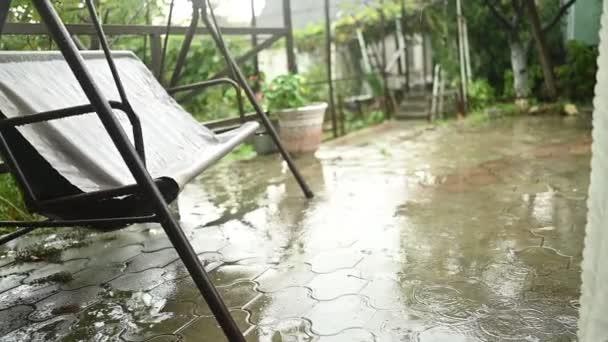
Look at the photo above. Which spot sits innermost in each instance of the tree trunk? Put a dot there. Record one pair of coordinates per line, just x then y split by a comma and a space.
519, 65
543, 52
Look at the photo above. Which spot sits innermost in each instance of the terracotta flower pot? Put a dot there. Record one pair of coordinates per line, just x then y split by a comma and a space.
301, 129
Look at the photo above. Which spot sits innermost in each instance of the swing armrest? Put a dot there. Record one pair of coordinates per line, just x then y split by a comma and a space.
75, 111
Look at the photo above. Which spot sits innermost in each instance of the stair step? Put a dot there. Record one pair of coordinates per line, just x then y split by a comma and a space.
410, 115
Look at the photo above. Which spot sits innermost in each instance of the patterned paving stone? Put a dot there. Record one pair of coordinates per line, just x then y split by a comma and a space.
141, 281
285, 330
231, 273
94, 275
14, 318
65, 302
236, 296
284, 276
352, 310
177, 269
103, 253
26, 294
385, 294
381, 266
396, 325
350, 335
104, 321
210, 239
271, 308
161, 318
164, 338
333, 285
207, 329
158, 259
55, 329
333, 260
19, 268
50, 269
441, 333
10, 281
544, 260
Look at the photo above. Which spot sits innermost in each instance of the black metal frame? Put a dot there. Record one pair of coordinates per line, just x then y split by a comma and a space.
133, 156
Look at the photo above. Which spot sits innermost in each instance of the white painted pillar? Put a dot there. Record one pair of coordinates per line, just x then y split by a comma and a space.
593, 322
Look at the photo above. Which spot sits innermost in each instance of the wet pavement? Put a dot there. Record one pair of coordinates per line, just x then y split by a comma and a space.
417, 233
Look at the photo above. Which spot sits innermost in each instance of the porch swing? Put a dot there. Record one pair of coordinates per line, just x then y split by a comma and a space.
52, 141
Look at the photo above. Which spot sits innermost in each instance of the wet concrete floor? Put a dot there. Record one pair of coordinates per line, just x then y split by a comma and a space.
417, 233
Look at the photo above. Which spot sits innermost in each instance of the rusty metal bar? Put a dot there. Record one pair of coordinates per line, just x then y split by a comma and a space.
328, 55
136, 30
292, 66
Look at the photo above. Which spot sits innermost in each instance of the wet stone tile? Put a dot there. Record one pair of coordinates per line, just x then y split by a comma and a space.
351, 335
140, 281
329, 286
210, 239
104, 321
55, 329
66, 302
19, 268
158, 259
14, 318
396, 325
10, 281
231, 273
236, 296
94, 275
333, 260
26, 294
164, 338
71, 267
271, 308
352, 310
284, 331
385, 294
284, 276
177, 269
207, 329
158, 317
103, 253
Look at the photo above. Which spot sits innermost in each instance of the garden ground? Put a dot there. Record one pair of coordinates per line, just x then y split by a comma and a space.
417, 233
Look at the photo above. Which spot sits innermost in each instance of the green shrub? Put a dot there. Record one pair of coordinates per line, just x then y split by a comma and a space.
481, 94
12, 205
285, 92
576, 78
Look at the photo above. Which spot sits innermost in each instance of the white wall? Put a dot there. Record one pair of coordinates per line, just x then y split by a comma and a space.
593, 323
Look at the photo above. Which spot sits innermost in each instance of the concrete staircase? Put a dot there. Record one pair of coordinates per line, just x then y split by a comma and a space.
415, 105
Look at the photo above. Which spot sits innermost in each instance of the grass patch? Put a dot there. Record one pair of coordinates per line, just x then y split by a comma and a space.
59, 277
244, 151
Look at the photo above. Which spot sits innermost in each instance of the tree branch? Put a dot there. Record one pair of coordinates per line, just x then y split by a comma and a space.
562, 11
501, 18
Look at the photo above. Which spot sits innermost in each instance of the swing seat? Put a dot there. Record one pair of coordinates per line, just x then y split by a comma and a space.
69, 167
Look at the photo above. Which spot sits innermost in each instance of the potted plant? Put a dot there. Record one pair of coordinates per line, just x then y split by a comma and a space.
300, 120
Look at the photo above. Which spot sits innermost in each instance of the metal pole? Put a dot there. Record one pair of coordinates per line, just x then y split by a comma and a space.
461, 58
163, 55
290, 45
387, 109
254, 43
242, 80
329, 62
183, 52
4, 7
177, 237
406, 56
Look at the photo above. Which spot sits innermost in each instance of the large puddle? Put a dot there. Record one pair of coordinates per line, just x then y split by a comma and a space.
429, 234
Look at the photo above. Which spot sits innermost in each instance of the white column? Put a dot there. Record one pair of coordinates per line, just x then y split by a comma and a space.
593, 322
